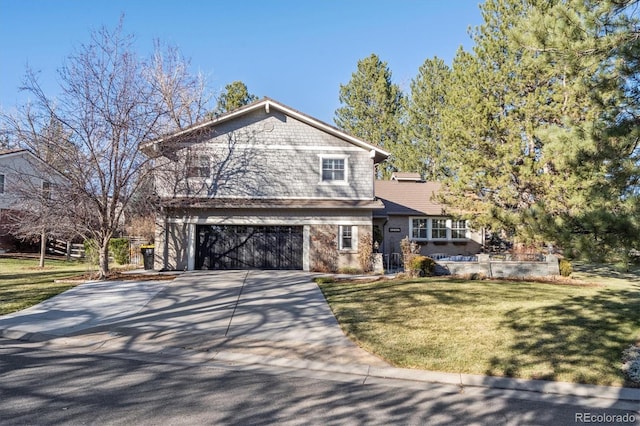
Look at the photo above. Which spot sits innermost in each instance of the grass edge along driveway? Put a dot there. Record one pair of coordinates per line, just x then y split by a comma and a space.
24, 284
528, 330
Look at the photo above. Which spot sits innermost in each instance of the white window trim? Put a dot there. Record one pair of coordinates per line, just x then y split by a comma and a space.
467, 234
411, 219
354, 239
449, 227
4, 183
193, 161
334, 157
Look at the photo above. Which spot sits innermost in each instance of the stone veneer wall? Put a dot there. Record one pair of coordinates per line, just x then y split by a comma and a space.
500, 268
324, 255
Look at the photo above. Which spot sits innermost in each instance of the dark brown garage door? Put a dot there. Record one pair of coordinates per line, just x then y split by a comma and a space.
249, 247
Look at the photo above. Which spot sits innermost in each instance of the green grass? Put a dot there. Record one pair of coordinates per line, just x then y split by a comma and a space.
518, 329
23, 284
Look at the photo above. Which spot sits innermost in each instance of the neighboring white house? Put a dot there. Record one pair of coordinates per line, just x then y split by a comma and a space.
22, 174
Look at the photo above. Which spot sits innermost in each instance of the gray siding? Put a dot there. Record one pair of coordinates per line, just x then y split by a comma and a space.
263, 155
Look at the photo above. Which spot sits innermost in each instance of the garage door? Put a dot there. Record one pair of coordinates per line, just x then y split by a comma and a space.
249, 247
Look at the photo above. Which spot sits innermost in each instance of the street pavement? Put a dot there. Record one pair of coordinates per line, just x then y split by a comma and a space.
248, 319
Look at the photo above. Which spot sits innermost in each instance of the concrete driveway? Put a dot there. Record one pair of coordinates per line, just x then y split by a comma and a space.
272, 313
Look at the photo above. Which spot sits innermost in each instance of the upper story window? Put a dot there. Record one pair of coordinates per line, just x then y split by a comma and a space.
46, 190
198, 166
1, 184
333, 169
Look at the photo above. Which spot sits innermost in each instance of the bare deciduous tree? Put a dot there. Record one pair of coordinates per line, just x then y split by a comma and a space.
111, 101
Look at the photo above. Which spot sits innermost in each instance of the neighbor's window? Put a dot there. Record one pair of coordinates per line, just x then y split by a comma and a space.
346, 237
333, 170
419, 228
458, 229
198, 166
439, 229
1, 184
46, 190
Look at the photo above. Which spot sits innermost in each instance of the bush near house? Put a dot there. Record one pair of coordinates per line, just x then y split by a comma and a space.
422, 266
565, 268
118, 248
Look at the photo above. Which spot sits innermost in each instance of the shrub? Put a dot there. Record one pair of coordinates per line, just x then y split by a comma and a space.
365, 252
409, 251
349, 270
91, 252
631, 363
119, 248
324, 280
475, 276
565, 267
422, 265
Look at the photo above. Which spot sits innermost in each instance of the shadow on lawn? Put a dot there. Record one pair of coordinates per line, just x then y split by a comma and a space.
575, 334
607, 271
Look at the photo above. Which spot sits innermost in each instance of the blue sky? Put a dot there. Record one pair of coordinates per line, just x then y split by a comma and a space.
295, 51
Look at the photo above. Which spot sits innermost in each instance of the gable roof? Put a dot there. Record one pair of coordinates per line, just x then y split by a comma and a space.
378, 154
413, 198
17, 152
7, 152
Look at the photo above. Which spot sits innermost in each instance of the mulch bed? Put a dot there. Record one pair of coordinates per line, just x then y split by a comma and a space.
121, 276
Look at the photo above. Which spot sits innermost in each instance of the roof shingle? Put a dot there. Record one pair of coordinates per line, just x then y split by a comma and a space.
408, 198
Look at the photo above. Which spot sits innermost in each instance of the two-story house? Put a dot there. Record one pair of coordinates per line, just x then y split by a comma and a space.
264, 186
23, 178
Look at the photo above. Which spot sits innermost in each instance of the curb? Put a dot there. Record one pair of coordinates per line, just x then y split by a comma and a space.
99, 345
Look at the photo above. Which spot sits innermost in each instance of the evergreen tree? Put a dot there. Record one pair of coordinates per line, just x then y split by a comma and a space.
538, 122
234, 96
422, 149
372, 107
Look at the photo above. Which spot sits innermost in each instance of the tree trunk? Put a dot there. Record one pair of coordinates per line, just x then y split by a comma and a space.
43, 247
103, 259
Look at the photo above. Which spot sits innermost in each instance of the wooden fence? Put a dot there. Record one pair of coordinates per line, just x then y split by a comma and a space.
65, 248
76, 251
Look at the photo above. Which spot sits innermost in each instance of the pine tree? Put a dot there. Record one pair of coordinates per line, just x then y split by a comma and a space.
539, 122
422, 145
234, 96
372, 107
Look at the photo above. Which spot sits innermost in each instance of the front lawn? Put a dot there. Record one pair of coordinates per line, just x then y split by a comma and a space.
518, 329
23, 284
